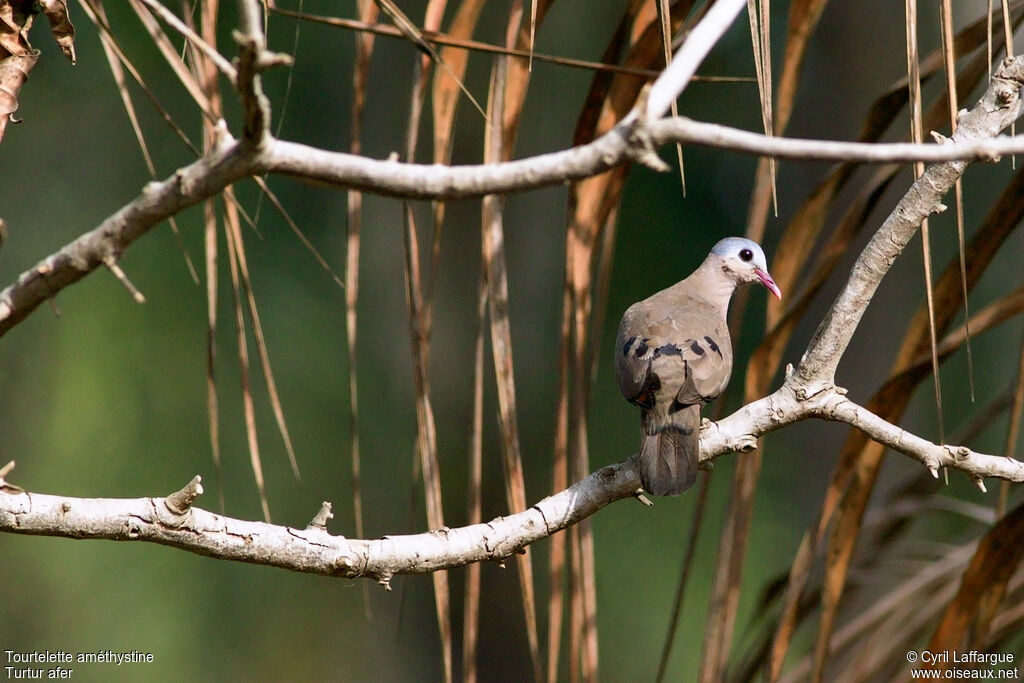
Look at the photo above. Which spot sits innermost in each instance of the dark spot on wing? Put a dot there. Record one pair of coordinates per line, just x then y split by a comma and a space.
668, 350
625, 348
713, 346
697, 348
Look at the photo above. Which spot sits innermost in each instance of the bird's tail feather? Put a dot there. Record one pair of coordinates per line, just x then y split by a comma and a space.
669, 460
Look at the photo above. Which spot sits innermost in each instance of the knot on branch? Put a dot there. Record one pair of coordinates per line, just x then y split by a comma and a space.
348, 565
958, 453
1011, 69
807, 389
636, 132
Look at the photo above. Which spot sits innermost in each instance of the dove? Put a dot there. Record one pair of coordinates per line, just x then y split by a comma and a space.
673, 355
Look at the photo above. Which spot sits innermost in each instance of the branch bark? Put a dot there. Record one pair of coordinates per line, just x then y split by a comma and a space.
807, 392
174, 522
233, 161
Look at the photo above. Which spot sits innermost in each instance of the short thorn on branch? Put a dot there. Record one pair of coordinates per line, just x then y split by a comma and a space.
319, 520
262, 59
179, 502
111, 263
4, 484
639, 495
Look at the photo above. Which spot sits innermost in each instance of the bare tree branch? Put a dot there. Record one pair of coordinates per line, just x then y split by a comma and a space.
158, 201
998, 108
233, 162
174, 522
171, 522
807, 392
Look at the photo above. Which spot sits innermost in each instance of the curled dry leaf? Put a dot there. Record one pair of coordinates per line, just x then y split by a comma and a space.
56, 12
17, 57
15, 22
13, 73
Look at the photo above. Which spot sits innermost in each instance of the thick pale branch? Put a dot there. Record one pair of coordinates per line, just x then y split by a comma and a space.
809, 392
158, 201
624, 144
680, 71
311, 550
933, 456
794, 402
688, 131
997, 109
435, 181
173, 521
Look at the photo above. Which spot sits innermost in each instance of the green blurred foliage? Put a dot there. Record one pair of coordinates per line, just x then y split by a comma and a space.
108, 397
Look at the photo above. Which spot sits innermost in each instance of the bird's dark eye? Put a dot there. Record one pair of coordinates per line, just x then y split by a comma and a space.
746, 255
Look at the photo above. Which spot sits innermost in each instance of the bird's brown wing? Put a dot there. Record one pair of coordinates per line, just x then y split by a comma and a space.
672, 355
633, 358
668, 354
701, 370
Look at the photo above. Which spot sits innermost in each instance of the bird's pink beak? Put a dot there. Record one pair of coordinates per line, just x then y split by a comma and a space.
768, 282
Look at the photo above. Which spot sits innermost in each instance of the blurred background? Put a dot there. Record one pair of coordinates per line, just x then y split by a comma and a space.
102, 397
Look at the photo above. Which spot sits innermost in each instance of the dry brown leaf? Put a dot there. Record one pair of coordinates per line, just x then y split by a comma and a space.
233, 234
207, 76
445, 96
96, 13
949, 62
16, 56
15, 22
174, 60
518, 76
493, 244
261, 344
803, 19
811, 217
13, 74
56, 12
212, 403
968, 618
360, 74
591, 203
861, 459
419, 330
559, 482
474, 499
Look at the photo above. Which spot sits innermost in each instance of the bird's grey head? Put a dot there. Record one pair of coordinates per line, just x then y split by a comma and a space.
744, 261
